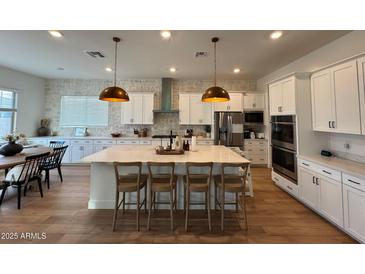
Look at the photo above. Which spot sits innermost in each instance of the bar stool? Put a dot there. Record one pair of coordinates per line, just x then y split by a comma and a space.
197, 182
128, 183
162, 182
232, 183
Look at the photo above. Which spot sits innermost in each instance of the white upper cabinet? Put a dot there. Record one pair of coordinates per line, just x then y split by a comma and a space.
335, 99
361, 73
234, 104
192, 111
138, 110
282, 97
322, 101
253, 101
200, 112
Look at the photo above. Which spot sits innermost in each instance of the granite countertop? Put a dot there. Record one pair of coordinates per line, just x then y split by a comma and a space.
343, 165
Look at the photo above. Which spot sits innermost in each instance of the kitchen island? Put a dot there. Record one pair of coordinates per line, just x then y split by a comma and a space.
102, 184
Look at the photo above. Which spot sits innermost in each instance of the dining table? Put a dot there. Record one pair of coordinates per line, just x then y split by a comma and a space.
7, 162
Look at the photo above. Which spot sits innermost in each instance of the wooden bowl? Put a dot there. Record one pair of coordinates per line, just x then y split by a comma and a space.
115, 135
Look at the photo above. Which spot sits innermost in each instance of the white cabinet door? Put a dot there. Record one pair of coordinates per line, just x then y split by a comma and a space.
330, 199
346, 91
288, 96
235, 102
361, 75
321, 91
184, 105
147, 111
98, 148
127, 111
259, 102
308, 190
354, 211
77, 153
249, 101
275, 98
200, 113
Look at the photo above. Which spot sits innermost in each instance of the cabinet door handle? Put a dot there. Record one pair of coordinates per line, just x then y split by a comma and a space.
317, 182
313, 180
254, 105
329, 124
325, 171
333, 124
353, 181
305, 164
288, 187
278, 109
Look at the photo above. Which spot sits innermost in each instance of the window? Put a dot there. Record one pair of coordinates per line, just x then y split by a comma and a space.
8, 101
86, 111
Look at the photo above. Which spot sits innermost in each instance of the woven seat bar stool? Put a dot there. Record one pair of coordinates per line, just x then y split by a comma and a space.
128, 183
197, 182
231, 183
162, 182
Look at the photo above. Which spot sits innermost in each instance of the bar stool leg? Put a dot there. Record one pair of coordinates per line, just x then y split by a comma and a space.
187, 208
236, 201
145, 198
123, 202
175, 201
215, 197
138, 209
206, 201
222, 208
115, 210
209, 217
244, 210
149, 210
171, 209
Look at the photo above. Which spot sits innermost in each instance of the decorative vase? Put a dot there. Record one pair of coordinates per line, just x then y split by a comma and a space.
43, 131
10, 149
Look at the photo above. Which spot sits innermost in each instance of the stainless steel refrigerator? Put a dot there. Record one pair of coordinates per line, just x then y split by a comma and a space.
228, 129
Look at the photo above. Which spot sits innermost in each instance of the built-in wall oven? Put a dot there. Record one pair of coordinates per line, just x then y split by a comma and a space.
283, 142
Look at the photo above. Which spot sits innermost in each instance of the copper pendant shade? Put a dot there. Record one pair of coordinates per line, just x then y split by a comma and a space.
114, 93
215, 93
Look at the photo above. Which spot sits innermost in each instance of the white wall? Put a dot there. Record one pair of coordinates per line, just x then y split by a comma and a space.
31, 98
346, 46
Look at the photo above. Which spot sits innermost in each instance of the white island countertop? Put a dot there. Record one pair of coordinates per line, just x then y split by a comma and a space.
141, 153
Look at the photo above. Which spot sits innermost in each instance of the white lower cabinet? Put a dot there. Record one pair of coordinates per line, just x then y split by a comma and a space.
285, 184
321, 194
80, 151
354, 206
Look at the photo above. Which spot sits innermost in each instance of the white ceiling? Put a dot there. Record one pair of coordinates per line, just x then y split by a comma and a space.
143, 54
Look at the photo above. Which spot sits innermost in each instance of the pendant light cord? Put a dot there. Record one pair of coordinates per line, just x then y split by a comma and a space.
115, 64
215, 64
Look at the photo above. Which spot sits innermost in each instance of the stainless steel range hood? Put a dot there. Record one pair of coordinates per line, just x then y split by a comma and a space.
166, 97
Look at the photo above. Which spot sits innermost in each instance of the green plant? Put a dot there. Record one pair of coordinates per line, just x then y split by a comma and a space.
12, 137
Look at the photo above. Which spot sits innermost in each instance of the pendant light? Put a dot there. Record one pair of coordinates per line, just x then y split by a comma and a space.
215, 93
114, 93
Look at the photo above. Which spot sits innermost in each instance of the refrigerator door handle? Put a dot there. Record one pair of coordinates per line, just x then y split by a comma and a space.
229, 127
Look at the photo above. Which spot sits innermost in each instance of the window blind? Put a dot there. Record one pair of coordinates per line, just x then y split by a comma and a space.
88, 111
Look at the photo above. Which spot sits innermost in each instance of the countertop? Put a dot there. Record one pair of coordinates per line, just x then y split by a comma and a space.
111, 138
343, 165
131, 153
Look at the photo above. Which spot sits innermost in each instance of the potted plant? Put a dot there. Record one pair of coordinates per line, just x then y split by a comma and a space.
12, 148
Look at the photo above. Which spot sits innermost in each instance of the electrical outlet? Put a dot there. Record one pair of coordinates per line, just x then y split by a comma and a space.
347, 146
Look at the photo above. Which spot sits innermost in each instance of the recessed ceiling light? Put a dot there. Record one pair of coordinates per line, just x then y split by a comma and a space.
55, 33
108, 69
172, 69
236, 70
276, 34
165, 34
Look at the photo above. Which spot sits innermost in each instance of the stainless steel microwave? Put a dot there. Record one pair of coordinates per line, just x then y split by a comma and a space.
253, 117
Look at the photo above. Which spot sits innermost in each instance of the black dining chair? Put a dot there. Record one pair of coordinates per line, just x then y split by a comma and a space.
53, 161
54, 144
24, 174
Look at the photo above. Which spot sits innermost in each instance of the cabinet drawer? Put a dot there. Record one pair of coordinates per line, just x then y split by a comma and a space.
81, 142
325, 171
285, 184
145, 142
353, 181
128, 142
255, 142
256, 150
104, 142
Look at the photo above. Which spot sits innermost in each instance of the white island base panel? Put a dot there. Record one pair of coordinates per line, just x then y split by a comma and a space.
102, 190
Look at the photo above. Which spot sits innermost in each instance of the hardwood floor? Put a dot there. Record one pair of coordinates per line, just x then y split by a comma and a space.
273, 217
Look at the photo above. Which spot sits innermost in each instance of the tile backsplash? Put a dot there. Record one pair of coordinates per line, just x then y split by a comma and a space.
163, 122
348, 146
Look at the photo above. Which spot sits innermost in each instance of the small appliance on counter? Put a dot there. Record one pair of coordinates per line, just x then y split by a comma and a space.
188, 132
260, 135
